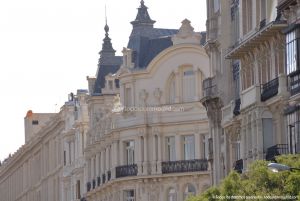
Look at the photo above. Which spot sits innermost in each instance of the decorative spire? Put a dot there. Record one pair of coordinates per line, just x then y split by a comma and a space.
107, 49
142, 17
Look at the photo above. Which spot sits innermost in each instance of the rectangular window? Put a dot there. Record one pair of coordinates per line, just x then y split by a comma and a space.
35, 122
292, 51
129, 195
216, 5
188, 85
171, 148
189, 147
129, 152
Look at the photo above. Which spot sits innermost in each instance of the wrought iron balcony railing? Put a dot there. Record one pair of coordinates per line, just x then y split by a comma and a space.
237, 107
88, 186
295, 82
238, 166
276, 150
108, 175
126, 170
269, 89
184, 166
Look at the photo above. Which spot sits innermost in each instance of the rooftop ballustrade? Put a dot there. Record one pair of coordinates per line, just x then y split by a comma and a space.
126, 170
184, 166
295, 82
269, 89
276, 150
239, 165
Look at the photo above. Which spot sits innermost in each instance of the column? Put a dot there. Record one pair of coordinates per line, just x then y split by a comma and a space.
154, 153
159, 155
92, 168
259, 138
146, 161
139, 154
198, 146
97, 165
121, 151
178, 147
177, 83
114, 158
107, 159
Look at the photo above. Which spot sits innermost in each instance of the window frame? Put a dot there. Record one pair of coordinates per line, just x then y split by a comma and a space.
187, 155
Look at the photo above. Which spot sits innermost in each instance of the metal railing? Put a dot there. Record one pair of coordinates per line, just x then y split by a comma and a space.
184, 166
126, 170
237, 107
276, 150
269, 89
295, 82
239, 165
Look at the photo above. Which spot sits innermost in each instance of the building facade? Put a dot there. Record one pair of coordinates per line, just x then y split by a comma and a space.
139, 132
251, 98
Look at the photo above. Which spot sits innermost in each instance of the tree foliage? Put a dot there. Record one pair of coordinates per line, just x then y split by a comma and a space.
258, 183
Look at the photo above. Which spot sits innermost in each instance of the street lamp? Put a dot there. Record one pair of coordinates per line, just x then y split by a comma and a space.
277, 167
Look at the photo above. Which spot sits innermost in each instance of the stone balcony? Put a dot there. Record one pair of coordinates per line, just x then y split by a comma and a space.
250, 96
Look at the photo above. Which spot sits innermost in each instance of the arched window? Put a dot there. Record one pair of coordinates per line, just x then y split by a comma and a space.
188, 88
171, 195
189, 191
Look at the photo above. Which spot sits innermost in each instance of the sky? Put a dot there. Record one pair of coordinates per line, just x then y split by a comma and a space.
49, 47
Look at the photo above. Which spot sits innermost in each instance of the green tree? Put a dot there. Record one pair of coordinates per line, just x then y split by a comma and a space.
258, 183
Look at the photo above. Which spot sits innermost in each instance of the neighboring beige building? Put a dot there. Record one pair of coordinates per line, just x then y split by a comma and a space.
252, 96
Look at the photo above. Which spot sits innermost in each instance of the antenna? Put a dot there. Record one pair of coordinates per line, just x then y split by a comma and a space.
105, 15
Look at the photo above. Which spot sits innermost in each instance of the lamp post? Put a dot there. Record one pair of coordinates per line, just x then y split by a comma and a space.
277, 167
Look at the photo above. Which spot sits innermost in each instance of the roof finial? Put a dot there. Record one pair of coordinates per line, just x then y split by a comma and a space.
142, 2
106, 28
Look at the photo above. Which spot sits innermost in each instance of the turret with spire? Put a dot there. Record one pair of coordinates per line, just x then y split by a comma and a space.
143, 18
107, 51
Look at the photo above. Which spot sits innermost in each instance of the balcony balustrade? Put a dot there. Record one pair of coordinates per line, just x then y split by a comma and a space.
239, 165
269, 89
276, 150
184, 166
126, 170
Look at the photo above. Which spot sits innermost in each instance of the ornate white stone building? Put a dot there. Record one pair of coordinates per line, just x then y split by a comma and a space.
252, 97
139, 132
